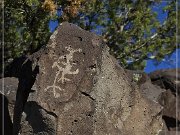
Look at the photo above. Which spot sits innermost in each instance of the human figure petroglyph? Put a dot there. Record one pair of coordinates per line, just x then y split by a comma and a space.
63, 71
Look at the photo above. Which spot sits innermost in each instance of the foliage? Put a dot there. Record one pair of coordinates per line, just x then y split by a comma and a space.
132, 30
26, 27
129, 27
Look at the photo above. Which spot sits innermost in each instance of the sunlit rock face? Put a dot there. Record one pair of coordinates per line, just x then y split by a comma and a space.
74, 87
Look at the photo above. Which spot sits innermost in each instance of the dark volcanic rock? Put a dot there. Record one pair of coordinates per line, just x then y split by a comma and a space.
167, 79
73, 86
170, 81
161, 86
152, 92
7, 101
5, 119
147, 89
168, 101
9, 91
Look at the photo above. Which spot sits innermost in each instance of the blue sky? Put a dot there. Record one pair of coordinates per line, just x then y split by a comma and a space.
171, 62
168, 62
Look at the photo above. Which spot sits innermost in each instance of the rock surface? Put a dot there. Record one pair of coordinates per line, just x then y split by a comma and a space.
7, 101
73, 86
169, 80
147, 89
9, 91
162, 86
5, 119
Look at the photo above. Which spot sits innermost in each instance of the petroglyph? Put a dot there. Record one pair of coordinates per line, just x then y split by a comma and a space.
63, 71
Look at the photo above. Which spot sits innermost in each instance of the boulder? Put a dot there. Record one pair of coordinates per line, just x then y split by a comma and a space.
161, 86
152, 92
168, 101
147, 88
7, 101
9, 91
73, 86
168, 79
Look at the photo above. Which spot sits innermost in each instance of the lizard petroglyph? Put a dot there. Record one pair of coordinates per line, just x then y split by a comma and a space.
62, 71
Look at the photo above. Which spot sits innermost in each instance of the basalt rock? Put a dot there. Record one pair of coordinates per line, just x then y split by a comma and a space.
167, 79
9, 91
147, 88
170, 81
74, 87
5, 119
7, 101
161, 86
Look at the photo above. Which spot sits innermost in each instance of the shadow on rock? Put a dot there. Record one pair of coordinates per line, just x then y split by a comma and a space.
26, 77
171, 122
37, 119
7, 119
15, 67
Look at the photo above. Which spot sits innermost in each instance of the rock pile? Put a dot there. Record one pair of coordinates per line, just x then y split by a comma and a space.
74, 87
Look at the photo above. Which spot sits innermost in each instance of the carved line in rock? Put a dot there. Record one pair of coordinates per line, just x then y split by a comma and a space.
64, 71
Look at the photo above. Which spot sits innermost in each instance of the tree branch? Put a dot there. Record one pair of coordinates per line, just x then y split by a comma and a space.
139, 47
